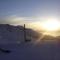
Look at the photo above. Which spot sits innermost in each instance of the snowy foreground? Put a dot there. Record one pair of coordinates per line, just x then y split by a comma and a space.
31, 51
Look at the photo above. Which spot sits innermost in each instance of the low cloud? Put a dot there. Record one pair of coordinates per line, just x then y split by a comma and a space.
15, 20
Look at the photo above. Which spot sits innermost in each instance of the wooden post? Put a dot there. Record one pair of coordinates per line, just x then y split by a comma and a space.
26, 40
24, 33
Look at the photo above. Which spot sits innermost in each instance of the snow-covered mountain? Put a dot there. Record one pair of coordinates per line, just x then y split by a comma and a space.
10, 34
13, 34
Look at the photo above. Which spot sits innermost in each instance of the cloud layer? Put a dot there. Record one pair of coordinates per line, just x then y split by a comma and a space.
15, 20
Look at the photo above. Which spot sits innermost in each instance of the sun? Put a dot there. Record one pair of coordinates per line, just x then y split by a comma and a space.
47, 26
51, 24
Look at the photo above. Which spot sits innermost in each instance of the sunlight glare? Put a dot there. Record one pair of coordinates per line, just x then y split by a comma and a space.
51, 25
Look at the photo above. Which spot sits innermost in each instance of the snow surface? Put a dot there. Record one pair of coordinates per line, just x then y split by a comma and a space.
30, 51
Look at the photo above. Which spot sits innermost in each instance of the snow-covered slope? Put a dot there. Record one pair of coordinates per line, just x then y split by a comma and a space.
29, 51
13, 34
9, 35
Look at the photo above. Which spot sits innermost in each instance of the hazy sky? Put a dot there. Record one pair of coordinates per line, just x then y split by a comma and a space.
22, 11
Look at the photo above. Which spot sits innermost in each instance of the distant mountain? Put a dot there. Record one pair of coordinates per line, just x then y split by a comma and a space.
48, 37
13, 34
